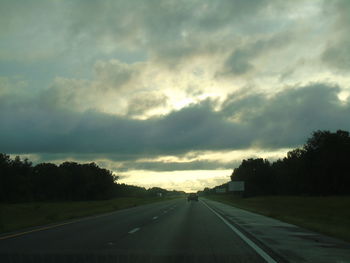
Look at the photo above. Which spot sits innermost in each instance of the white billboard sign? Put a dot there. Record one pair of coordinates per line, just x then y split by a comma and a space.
236, 186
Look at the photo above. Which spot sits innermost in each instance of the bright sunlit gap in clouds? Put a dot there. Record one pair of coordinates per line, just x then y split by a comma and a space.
170, 93
188, 181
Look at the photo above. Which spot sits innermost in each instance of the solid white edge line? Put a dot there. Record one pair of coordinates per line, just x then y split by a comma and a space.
257, 249
134, 230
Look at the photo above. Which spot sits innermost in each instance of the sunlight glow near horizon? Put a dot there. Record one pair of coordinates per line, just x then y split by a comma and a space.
188, 181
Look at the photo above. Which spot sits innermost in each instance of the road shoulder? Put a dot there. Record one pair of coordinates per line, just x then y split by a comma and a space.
289, 241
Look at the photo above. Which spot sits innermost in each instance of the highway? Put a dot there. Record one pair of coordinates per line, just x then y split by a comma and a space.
169, 231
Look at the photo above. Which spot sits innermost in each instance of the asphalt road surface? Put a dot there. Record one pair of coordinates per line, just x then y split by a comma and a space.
170, 231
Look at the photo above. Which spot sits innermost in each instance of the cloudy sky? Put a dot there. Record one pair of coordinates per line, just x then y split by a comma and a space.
170, 93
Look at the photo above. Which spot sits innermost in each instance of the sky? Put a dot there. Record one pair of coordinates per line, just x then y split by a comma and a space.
170, 93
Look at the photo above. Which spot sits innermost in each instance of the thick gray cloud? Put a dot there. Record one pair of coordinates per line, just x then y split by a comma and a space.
33, 130
289, 117
145, 101
337, 53
166, 30
114, 74
240, 61
284, 120
177, 166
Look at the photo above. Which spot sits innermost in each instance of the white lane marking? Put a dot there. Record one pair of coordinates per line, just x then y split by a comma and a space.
134, 230
155, 217
258, 250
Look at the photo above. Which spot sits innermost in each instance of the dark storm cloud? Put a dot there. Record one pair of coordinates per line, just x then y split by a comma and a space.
284, 120
34, 130
288, 118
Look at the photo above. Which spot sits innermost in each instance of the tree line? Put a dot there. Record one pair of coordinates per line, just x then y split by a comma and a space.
319, 167
21, 181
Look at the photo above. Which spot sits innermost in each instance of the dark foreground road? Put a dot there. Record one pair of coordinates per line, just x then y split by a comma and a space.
170, 231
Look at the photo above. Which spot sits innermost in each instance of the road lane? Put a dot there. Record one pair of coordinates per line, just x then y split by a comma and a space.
193, 232
171, 231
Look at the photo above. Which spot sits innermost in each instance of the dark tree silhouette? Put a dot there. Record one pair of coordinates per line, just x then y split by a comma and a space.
257, 176
320, 167
15, 183
21, 182
327, 157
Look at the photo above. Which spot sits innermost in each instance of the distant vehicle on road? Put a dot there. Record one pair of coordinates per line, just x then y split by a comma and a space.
193, 197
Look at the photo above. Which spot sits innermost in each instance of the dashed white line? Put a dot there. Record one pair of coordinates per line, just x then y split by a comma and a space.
258, 250
155, 217
134, 230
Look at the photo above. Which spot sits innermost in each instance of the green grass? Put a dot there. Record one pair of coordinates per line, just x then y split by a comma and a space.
23, 215
328, 215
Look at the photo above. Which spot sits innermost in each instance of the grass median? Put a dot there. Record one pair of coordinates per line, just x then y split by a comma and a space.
24, 215
328, 215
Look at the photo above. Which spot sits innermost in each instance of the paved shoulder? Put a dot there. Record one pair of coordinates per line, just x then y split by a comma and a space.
289, 241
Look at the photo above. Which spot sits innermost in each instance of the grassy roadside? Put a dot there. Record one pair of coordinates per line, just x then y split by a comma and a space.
328, 215
22, 215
